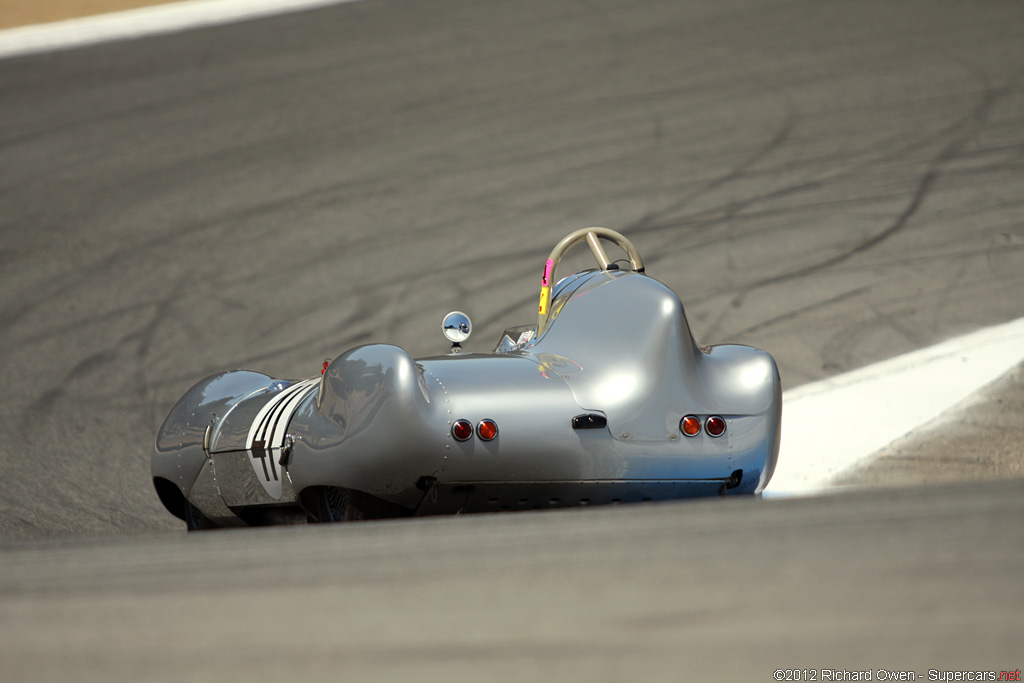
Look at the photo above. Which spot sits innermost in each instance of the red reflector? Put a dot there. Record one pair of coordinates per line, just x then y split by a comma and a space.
715, 426
462, 430
690, 425
487, 430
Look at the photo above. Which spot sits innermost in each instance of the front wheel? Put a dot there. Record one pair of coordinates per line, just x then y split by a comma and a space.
195, 520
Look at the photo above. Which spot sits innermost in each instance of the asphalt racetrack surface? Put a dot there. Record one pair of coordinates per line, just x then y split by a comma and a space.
837, 183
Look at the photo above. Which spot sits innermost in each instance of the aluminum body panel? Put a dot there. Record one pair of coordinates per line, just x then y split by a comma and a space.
373, 425
629, 353
247, 444
533, 409
206, 496
178, 454
252, 478
261, 418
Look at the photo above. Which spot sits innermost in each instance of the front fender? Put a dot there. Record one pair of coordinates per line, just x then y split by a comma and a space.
178, 452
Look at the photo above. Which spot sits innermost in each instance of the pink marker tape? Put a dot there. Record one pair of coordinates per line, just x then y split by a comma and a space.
546, 280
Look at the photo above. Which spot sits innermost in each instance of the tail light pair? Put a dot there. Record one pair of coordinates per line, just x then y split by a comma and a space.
713, 425
462, 430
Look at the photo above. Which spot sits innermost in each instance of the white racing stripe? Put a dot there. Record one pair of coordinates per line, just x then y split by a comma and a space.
272, 420
280, 426
831, 425
144, 21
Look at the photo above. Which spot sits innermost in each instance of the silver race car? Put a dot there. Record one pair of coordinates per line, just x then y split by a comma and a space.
606, 399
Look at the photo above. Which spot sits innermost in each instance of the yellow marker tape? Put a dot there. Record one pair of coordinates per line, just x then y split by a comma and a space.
545, 299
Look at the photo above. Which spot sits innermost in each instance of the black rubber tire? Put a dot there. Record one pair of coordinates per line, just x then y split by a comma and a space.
335, 504
195, 520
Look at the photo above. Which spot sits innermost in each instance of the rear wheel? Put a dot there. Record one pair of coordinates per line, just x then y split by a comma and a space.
339, 504
334, 504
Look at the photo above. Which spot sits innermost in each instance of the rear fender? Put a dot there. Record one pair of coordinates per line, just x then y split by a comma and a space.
739, 379
742, 380
373, 427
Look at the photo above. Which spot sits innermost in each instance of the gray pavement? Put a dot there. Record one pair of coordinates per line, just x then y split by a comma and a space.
731, 590
835, 182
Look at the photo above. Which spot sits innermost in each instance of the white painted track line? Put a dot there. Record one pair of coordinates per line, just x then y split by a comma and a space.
144, 21
830, 425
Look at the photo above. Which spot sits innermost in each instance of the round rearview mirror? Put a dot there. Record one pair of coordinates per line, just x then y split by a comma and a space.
457, 327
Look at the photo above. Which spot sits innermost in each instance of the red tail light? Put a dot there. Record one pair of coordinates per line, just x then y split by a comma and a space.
715, 425
690, 425
462, 430
487, 430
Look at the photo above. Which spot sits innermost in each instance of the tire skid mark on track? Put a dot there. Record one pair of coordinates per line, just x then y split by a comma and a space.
917, 198
962, 130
